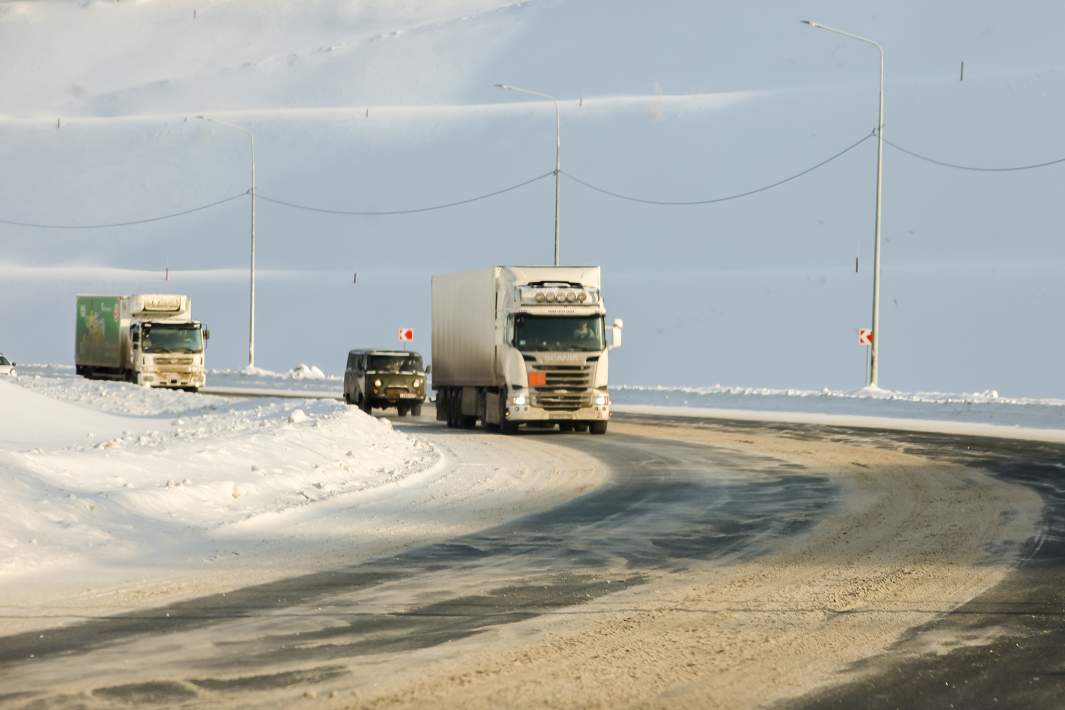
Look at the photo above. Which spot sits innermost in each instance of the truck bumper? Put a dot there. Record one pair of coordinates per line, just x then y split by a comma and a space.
530, 413
173, 379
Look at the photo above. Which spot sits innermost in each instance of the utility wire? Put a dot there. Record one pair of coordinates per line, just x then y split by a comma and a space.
414, 210
671, 203
124, 224
585, 183
974, 168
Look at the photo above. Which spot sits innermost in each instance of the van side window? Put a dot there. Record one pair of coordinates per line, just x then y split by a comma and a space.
351, 361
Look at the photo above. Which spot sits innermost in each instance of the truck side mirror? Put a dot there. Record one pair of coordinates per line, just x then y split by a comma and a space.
615, 333
206, 333
428, 369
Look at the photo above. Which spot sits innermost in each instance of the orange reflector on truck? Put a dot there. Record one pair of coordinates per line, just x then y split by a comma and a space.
537, 379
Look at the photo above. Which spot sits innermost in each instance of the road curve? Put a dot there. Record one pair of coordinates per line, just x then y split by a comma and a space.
724, 564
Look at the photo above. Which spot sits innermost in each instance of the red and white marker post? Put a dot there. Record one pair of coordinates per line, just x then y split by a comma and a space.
865, 337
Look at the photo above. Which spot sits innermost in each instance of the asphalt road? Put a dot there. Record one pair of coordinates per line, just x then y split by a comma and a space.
670, 505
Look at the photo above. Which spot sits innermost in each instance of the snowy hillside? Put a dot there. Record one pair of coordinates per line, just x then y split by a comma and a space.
364, 105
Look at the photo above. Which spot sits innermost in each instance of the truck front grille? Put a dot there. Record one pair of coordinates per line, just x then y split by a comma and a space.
566, 387
187, 361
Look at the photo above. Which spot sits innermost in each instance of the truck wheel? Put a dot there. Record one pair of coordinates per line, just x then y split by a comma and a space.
449, 408
401, 410
580, 426
505, 425
597, 427
364, 405
416, 410
567, 426
347, 399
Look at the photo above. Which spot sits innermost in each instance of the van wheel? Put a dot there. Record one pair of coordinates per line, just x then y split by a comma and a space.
597, 427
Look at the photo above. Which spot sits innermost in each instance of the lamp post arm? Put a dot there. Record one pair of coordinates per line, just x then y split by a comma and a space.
826, 28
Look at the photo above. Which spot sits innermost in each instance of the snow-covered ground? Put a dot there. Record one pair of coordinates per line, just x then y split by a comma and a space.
152, 494
110, 471
977, 408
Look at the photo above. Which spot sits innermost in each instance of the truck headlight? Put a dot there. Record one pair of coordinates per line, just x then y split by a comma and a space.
377, 383
601, 400
417, 383
519, 400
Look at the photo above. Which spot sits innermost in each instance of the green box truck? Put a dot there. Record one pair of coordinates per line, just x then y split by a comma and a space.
149, 339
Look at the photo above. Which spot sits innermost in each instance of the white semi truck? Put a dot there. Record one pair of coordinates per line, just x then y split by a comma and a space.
517, 345
149, 339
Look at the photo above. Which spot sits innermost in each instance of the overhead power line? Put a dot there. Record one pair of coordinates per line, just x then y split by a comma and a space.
510, 188
974, 168
412, 210
129, 223
713, 200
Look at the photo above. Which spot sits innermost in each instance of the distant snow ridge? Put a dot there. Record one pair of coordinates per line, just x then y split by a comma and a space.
302, 371
306, 372
866, 393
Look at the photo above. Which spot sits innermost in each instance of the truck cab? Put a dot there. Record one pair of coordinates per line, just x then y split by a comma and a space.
523, 346
147, 339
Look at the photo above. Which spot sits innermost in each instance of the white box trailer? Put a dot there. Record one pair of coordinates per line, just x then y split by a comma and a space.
522, 345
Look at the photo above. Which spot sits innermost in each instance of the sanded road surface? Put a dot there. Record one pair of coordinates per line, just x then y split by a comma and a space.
723, 564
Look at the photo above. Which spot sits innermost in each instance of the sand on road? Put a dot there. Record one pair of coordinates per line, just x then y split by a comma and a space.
912, 539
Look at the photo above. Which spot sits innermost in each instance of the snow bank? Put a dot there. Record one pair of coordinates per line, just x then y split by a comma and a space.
976, 408
301, 371
166, 473
306, 372
32, 420
985, 397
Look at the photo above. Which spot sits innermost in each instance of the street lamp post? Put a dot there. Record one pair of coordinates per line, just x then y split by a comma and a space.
558, 150
251, 301
874, 361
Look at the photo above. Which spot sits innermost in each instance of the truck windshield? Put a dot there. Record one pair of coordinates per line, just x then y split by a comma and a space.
172, 339
396, 363
4, 361
556, 333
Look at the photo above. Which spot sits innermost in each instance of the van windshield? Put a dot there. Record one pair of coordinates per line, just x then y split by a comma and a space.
4, 360
558, 333
396, 363
172, 339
